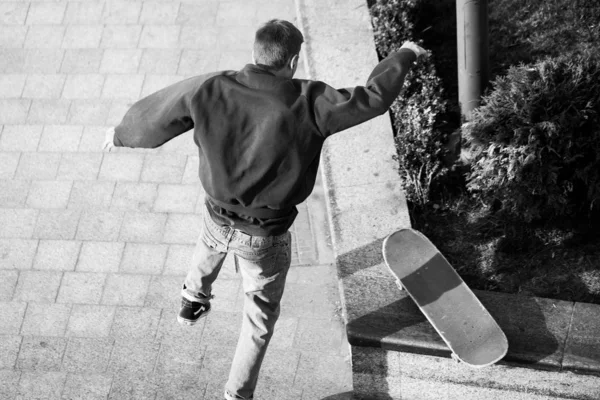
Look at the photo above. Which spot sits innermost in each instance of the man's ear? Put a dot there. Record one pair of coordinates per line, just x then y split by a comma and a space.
294, 62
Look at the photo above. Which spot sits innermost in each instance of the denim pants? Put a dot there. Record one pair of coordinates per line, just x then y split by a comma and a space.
264, 263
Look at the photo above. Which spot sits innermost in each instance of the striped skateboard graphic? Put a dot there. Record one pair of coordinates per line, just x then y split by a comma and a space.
449, 305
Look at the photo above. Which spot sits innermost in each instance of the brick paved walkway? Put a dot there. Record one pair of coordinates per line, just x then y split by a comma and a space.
94, 246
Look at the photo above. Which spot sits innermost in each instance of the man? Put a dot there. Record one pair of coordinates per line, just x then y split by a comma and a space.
259, 134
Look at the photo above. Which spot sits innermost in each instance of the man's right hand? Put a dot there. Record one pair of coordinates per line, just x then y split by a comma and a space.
418, 50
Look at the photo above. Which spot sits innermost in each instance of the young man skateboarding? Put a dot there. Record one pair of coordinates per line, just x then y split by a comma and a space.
259, 134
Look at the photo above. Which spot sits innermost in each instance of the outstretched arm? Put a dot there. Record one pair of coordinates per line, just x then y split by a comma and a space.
157, 118
336, 110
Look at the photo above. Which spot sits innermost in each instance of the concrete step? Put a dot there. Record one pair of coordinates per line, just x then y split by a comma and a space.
382, 374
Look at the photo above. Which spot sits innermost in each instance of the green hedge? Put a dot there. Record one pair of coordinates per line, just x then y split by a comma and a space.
534, 144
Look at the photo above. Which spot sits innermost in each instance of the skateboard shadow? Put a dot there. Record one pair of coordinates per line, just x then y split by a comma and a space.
534, 330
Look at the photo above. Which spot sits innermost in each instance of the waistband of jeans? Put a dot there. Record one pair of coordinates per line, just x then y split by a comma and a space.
260, 213
242, 236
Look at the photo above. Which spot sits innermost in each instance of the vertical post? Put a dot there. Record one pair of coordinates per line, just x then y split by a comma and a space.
473, 64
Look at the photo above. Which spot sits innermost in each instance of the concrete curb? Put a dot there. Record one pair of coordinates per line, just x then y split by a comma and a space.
365, 204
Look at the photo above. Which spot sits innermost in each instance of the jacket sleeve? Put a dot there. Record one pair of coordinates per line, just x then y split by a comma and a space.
338, 109
159, 117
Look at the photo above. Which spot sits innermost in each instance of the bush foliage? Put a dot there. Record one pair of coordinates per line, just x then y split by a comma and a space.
534, 144
419, 114
532, 151
528, 31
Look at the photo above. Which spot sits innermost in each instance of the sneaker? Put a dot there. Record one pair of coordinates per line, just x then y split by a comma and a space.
192, 311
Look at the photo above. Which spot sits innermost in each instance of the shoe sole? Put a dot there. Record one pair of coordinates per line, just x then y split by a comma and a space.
189, 322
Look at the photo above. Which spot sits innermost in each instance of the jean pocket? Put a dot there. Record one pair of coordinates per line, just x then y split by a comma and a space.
265, 266
277, 262
209, 240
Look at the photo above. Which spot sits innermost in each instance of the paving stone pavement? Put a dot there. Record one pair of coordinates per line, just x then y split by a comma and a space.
94, 246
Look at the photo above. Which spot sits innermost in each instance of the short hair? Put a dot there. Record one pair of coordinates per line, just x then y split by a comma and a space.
276, 42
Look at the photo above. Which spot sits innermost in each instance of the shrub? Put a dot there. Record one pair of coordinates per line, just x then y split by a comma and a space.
534, 143
419, 112
528, 31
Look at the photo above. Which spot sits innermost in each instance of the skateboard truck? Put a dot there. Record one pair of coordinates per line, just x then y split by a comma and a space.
455, 358
399, 284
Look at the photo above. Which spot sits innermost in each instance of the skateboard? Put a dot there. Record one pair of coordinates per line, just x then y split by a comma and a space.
450, 306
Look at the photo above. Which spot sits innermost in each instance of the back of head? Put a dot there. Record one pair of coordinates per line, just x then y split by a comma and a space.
275, 43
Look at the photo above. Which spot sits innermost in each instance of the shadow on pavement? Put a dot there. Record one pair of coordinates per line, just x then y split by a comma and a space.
364, 257
340, 396
355, 396
394, 320
532, 326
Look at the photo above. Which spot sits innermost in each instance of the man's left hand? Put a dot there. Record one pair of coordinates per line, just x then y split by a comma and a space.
109, 140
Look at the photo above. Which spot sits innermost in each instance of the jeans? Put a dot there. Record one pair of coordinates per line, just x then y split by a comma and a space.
264, 263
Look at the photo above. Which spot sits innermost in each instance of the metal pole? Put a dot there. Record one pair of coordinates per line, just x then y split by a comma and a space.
473, 59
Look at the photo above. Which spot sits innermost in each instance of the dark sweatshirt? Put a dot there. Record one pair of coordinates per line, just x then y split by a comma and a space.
259, 136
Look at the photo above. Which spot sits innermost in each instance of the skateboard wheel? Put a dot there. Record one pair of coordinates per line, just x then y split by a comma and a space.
399, 284
455, 358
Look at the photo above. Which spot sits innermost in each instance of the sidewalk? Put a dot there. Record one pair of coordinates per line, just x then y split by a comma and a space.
94, 246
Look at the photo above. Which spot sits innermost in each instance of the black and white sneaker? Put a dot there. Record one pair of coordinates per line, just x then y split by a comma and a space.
229, 396
192, 311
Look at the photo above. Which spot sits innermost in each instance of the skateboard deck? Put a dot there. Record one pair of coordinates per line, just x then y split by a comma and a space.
450, 306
